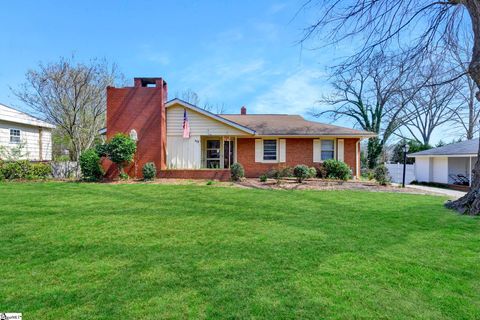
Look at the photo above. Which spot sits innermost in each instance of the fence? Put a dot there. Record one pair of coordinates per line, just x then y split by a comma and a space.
395, 171
65, 169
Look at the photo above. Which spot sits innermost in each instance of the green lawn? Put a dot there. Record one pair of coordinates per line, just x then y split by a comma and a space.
144, 251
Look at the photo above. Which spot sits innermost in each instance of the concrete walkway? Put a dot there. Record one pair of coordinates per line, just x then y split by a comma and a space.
454, 194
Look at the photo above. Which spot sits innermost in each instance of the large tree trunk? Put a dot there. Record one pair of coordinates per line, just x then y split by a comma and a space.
470, 203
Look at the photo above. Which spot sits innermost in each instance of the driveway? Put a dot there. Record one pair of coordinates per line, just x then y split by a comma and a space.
454, 194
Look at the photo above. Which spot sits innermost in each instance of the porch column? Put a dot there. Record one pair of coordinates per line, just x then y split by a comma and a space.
470, 172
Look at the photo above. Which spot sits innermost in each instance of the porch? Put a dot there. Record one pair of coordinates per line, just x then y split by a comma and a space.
201, 152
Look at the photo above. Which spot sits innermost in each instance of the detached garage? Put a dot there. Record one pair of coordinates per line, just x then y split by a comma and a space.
450, 164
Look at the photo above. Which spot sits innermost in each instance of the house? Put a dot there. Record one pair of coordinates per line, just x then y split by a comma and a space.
259, 142
20, 131
450, 164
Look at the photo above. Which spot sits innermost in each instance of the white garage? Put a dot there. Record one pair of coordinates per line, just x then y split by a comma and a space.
450, 164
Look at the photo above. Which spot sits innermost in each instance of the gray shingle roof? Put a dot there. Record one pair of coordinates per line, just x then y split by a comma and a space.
284, 124
469, 147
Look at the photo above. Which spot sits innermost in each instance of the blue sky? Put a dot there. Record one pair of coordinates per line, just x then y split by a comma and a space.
229, 52
232, 52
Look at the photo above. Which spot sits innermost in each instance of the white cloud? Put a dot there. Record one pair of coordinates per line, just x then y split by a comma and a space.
296, 94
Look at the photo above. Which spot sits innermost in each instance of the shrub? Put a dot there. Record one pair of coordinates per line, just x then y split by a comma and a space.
263, 178
16, 169
102, 149
321, 171
123, 176
301, 172
337, 169
312, 172
209, 182
40, 171
90, 165
149, 171
120, 149
237, 171
381, 175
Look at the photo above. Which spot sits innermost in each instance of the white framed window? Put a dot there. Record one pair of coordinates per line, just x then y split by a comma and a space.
15, 136
270, 148
327, 149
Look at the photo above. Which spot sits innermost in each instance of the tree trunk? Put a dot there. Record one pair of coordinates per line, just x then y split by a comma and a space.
374, 150
470, 203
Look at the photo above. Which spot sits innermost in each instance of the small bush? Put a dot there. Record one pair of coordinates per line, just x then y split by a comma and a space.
381, 175
17, 169
149, 171
312, 172
102, 149
40, 171
301, 172
90, 165
123, 176
337, 170
209, 182
263, 178
321, 172
237, 171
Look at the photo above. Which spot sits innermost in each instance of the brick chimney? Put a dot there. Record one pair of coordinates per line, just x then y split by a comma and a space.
140, 108
243, 110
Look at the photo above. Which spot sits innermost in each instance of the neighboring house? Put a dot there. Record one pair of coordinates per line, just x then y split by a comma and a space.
450, 164
31, 135
259, 142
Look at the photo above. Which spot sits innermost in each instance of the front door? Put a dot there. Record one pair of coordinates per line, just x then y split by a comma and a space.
228, 148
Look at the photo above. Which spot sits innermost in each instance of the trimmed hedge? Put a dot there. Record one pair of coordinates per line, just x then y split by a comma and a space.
24, 169
337, 170
237, 171
149, 171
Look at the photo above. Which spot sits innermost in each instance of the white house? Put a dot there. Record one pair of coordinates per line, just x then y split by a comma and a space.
450, 164
33, 136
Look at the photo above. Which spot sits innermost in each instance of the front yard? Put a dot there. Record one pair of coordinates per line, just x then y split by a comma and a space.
151, 251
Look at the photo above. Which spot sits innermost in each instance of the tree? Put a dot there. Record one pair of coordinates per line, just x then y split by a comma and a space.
72, 96
432, 104
413, 146
468, 113
370, 95
416, 26
120, 149
192, 97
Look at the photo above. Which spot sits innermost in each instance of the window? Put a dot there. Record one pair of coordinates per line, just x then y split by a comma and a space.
328, 149
269, 149
14, 136
213, 154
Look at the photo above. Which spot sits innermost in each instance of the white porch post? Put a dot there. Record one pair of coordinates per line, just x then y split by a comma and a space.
470, 173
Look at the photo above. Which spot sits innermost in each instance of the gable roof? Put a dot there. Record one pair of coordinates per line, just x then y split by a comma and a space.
292, 125
15, 116
464, 148
209, 114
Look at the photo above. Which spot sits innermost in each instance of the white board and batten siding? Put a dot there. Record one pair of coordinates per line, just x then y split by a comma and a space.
183, 153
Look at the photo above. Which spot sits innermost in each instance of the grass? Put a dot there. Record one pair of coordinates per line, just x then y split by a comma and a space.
145, 251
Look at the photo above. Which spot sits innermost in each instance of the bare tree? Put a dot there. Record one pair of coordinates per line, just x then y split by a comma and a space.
416, 26
468, 115
192, 97
370, 95
72, 96
432, 104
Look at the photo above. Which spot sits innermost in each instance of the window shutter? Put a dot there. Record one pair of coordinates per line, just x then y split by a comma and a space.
282, 152
258, 150
340, 150
316, 150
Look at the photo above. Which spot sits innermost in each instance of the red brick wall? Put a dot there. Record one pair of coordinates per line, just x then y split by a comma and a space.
298, 151
142, 109
210, 174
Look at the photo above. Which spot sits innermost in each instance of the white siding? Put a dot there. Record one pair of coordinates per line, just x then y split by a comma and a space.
440, 170
183, 153
200, 125
422, 169
29, 135
11, 115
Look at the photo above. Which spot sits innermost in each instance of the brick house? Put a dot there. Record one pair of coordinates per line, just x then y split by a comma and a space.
259, 142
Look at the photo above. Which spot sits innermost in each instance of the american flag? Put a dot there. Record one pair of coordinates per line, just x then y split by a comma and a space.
186, 125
